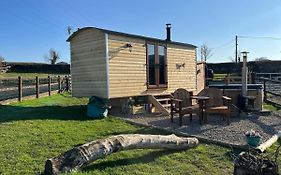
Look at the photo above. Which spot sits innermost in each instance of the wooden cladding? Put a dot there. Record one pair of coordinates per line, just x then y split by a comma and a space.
130, 71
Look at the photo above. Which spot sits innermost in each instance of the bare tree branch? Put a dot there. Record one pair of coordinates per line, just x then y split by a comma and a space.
261, 59
69, 29
53, 56
2, 60
205, 52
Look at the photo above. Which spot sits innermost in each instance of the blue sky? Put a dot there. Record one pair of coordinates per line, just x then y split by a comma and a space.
29, 28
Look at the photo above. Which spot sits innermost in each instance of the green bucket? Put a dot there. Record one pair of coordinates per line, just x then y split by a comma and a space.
253, 141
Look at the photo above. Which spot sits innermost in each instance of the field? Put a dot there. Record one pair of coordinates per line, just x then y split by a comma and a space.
35, 130
219, 77
24, 75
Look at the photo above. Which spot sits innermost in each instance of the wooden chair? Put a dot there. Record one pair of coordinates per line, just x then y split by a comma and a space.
181, 103
217, 104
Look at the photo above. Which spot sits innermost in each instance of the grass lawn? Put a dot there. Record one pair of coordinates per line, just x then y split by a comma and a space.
219, 77
270, 107
25, 75
35, 130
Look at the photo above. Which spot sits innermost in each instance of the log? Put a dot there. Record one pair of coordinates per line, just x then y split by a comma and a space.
82, 155
262, 147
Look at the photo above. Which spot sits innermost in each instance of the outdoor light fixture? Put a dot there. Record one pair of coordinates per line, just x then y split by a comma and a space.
128, 45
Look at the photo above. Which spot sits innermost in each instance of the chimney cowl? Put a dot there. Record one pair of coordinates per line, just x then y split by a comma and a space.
168, 32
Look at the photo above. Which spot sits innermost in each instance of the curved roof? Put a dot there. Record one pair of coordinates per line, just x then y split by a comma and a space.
128, 35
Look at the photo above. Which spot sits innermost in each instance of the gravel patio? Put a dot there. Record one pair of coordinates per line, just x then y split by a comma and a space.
216, 130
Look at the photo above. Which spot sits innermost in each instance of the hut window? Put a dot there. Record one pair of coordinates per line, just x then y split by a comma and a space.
156, 66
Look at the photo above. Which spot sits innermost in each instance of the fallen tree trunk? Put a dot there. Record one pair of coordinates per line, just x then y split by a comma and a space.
89, 152
262, 147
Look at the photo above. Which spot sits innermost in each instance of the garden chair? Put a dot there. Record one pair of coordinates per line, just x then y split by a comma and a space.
181, 103
217, 103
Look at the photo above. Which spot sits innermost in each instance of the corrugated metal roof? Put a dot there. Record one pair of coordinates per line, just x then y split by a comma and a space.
130, 35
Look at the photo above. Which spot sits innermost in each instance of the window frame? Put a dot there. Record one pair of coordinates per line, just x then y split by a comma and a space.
157, 70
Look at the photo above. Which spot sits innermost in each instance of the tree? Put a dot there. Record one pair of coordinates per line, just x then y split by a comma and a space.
261, 59
69, 29
53, 56
2, 59
205, 52
3, 66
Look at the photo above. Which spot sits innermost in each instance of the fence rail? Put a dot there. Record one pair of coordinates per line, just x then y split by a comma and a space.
272, 90
229, 79
12, 89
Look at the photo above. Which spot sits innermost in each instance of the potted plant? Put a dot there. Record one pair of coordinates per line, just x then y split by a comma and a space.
253, 138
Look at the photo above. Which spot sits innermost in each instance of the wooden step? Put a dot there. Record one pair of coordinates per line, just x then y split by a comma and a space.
163, 99
163, 96
166, 105
158, 105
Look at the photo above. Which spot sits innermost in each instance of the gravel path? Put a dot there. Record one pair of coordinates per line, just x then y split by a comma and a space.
216, 129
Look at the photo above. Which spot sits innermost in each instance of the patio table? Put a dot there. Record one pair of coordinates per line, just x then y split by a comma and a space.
202, 105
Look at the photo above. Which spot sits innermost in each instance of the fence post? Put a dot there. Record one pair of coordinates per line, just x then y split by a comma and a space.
264, 91
253, 77
227, 79
250, 77
67, 83
20, 88
59, 84
49, 85
37, 87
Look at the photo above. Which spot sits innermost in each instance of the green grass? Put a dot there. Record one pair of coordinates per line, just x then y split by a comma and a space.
35, 130
270, 107
219, 77
25, 75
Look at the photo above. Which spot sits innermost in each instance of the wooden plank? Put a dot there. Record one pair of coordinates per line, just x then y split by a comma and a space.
270, 80
88, 63
78, 59
82, 42
49, 86
273, 103
273, 93
5, 102
20, 88
163, 99
88, 54
113, 37
37, 87
59, 84
158, 105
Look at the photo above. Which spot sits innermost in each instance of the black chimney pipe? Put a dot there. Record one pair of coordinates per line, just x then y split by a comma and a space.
168, 29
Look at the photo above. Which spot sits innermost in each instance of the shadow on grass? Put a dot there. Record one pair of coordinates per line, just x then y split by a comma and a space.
146, 158
13, 113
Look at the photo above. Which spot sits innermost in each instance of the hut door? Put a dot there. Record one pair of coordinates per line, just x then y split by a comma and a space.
156, 66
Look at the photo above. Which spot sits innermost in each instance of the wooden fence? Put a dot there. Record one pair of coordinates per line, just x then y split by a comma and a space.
15, 89
230, 79
271, 90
